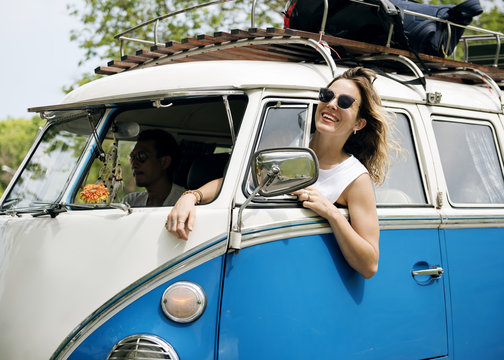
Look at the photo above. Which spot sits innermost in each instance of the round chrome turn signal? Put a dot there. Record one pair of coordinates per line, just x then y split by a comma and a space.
183, 301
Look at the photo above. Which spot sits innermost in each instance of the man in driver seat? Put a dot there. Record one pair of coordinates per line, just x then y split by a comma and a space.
153, 161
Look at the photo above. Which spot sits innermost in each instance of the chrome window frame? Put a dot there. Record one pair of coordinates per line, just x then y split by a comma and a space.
470, 121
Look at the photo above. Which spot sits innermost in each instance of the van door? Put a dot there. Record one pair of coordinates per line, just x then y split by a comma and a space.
473, 231
289, 293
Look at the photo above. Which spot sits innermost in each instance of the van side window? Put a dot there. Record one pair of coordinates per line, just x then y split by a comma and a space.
471, 163
403, 184
283, 126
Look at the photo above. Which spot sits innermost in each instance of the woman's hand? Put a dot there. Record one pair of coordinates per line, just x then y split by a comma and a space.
183, 214
312, 199
181, 219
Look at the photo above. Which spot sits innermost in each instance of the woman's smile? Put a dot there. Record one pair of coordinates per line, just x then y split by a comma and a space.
328, 117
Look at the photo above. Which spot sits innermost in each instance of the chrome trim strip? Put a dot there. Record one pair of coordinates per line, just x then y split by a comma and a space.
465, 222
316, 226
183, 263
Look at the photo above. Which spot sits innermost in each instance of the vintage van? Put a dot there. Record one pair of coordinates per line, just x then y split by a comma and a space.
260, 276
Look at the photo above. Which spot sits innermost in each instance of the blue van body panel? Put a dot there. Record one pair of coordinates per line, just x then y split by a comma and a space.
297, 298
196, 340
476, 261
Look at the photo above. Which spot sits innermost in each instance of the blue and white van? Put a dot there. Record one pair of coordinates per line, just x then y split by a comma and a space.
260, 276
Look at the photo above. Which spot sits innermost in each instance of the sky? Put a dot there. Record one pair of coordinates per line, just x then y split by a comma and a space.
37, 57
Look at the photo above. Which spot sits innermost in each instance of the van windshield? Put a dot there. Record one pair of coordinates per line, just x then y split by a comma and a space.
54, 160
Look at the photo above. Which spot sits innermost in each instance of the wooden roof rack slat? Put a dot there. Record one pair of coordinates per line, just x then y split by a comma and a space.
297, 51
162, 49
194, 42
108, 70
225, 36
256, 54
242, 34
260, 32
208, 39
135, 59
291, 56
149, 54
178, 46
276, 31
121, 64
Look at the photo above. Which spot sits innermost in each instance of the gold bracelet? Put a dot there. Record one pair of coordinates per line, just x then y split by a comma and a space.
197, 195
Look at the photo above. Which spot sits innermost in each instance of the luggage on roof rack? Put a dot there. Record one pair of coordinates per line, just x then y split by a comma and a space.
430, 36
385, 22
369, 21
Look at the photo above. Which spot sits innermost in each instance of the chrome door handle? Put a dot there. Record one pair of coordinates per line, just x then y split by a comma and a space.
435, 271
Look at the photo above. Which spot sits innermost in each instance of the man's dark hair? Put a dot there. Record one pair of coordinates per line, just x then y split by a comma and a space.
164, 144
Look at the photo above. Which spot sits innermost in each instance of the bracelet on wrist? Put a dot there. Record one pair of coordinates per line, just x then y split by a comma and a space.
196, 193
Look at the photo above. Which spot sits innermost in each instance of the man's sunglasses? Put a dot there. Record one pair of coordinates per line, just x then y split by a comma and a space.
344, 101
140, 156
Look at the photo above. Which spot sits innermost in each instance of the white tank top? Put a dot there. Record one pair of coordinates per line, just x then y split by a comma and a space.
332, 182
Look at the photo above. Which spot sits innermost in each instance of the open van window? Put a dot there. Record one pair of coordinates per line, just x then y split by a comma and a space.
203, 126
471, 162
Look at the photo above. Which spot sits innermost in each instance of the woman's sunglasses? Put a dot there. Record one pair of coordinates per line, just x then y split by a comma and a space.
140, 156
344, 101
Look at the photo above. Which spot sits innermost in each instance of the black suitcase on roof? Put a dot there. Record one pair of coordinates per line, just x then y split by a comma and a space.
372, 21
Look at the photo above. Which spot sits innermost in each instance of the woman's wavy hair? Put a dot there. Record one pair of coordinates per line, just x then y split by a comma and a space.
369, 144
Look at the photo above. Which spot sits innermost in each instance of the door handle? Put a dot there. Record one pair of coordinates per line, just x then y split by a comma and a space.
435, 272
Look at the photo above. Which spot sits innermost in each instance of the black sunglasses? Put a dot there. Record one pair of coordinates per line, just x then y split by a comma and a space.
140, 156
344, 101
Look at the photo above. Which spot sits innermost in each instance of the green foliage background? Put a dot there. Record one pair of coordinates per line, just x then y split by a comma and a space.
16, 137
102, 19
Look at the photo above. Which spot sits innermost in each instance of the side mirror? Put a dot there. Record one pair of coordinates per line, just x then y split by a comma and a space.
277, 171
283, 170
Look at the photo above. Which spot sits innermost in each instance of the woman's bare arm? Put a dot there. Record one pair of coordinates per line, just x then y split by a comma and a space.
181, 219
357, 239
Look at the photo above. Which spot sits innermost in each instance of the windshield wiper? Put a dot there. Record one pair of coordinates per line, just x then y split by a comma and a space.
53, 210
124, 207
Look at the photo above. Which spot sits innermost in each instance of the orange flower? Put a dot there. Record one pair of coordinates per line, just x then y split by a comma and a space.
93, 193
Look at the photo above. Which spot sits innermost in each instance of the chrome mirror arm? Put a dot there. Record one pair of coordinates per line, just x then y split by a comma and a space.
235, 238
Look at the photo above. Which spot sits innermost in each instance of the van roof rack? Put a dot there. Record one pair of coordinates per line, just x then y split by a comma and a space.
287, 45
